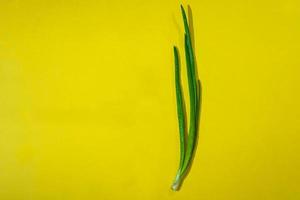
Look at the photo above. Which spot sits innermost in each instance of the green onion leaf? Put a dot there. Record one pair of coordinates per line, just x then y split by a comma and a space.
195, 97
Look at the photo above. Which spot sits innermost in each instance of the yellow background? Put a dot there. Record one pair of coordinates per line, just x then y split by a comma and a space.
88, 110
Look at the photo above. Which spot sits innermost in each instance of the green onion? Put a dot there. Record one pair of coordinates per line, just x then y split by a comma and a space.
187, 145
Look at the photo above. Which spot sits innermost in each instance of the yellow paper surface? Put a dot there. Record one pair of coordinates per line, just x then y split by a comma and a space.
88, 110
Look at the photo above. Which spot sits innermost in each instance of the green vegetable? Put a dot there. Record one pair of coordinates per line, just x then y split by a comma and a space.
187, 145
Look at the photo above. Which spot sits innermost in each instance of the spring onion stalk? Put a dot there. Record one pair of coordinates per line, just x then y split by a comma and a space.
187, 144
